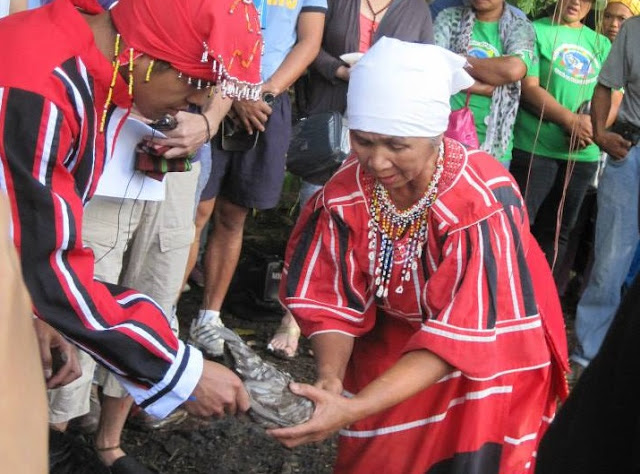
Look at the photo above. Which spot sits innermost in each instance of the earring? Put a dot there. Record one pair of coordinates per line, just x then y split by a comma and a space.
130, 72
114, 77
147, 76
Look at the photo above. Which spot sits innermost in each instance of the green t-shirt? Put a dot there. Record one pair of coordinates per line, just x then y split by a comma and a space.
569, 63
485, 43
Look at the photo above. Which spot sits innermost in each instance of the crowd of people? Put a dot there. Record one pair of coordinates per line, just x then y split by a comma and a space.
423, 271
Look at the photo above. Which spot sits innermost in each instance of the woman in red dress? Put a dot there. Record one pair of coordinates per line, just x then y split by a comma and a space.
434, 319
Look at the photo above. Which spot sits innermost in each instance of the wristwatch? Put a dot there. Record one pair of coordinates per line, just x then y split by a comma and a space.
269, 98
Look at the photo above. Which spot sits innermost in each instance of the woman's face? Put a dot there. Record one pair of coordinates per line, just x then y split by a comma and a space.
614, 16
488, 6
395, 161
573, 12
165, 93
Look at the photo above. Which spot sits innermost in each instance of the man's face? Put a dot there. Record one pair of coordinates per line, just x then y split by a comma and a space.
165, 93
614, 16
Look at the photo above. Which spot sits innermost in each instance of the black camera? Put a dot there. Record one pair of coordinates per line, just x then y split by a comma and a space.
168, 122
234, 137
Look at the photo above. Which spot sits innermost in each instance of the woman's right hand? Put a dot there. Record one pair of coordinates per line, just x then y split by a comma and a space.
343, 72
332, 413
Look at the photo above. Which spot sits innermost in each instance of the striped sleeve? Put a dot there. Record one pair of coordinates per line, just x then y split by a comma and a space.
480, 301
322, 285
124, 330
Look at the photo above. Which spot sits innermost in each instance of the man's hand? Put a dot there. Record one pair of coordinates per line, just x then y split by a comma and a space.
190, 134
59, 358
253, 114
219, 392
613, 144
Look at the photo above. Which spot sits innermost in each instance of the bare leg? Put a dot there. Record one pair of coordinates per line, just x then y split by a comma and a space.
112, 419
59, 426
223, 252
203, 214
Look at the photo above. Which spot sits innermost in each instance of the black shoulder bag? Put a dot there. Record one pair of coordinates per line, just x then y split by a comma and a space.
315, 149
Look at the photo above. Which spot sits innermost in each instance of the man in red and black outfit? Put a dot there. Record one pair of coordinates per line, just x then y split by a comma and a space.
58, 89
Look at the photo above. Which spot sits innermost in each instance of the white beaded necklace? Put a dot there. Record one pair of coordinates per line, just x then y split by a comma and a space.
392, 224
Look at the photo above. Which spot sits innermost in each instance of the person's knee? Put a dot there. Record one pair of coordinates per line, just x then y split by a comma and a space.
203, 214
229, 217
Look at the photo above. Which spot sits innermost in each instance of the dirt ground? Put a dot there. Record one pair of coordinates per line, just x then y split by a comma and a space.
237, 445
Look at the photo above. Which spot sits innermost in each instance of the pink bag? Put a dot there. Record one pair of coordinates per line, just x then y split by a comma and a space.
462, 127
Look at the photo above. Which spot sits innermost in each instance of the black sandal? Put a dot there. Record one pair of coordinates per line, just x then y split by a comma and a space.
126, 464
129, 465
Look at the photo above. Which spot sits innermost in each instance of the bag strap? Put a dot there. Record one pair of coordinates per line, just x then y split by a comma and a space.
466, 103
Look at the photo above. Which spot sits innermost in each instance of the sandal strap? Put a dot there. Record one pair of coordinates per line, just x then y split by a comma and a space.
288, 330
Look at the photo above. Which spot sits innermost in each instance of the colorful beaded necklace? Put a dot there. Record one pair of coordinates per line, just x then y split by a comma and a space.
393, 224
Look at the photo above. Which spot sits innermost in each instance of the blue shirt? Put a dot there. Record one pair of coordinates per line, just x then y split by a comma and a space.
280, 33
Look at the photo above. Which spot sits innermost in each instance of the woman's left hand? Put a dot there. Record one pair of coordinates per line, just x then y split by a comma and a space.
332, 413
343, 72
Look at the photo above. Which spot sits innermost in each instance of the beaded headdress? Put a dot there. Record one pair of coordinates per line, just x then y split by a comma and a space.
207, 41
219, 41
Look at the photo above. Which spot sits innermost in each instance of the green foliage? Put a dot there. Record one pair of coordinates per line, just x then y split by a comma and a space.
533, 8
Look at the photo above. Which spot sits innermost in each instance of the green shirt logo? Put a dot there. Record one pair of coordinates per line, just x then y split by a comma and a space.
575, 63
482, 49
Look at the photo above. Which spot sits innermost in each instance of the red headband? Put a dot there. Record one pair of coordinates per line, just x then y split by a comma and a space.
210, 40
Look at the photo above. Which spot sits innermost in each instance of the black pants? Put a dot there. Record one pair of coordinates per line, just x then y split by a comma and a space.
543, 188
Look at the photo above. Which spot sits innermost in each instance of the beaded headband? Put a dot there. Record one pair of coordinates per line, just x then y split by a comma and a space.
229, 86
207, 41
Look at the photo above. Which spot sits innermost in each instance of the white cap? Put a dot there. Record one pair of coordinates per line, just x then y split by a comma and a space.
403, 89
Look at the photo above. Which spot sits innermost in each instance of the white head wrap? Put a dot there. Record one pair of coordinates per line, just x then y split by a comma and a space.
403, 89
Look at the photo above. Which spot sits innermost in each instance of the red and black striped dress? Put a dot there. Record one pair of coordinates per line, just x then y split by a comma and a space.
482, 298
53, 84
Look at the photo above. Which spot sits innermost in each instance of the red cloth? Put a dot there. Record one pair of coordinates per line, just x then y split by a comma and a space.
481, 298
367, 30
30, 66
151, 162
89, 6
176, 31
